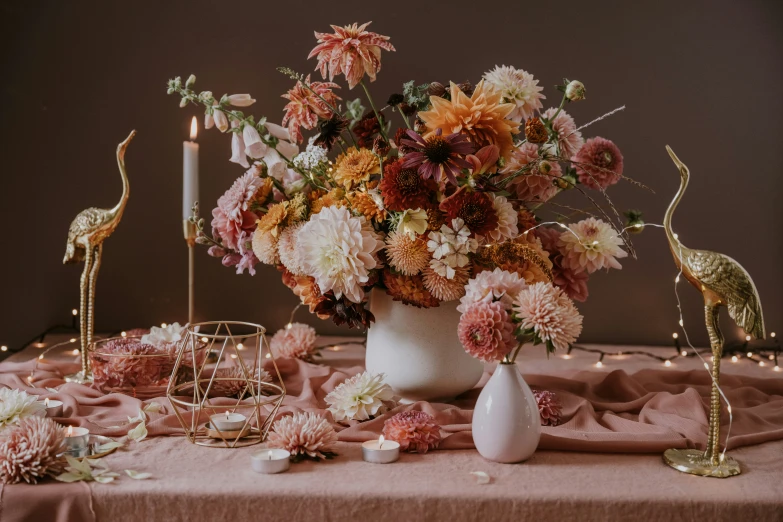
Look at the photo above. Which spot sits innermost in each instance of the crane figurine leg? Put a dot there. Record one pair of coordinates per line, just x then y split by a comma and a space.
708, 463
85, 314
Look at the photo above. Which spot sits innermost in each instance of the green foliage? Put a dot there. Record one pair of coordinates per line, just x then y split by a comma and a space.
416, 96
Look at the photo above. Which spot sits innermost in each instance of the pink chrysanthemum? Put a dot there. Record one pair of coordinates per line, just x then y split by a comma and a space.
599, 163
489, 286
591, 245
28, 451
545, 310
296, 341
486, 331
549, 407
536, 182
231, 217
569, 140
414, 430
121, 364
444, 289
304, 435
351, 51
238, 386
305, 106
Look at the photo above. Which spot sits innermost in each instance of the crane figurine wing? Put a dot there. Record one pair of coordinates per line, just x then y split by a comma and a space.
733, 284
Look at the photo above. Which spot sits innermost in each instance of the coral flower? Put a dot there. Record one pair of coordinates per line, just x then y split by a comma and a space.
486, 331
351, 51
569, 140
28, 452
481, 117
305, 106
535, 179
548, 407
476, 209
547, 311
591, 245
408, 289
404, 188
599, 163
414, 430
295, 341
437, 154
304, 435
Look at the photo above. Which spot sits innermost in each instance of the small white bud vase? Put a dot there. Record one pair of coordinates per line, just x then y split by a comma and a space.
506, 422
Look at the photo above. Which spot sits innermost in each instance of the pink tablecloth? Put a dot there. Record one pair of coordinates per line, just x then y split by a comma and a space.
644, 411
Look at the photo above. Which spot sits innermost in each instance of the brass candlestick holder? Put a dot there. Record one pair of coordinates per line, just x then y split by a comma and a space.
195, 377
89, 229
189, 231
722, 282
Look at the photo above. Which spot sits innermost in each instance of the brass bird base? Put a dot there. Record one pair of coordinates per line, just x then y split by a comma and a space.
696, 462
79, 378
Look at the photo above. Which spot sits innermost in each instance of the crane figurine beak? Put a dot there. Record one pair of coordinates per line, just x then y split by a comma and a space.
680, 165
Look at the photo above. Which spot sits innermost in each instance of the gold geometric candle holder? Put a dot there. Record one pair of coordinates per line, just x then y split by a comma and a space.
196, 378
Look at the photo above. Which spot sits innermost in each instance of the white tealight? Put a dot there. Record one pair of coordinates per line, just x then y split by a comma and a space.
76, 441
228, 421
380, 451
54, 408
270, 461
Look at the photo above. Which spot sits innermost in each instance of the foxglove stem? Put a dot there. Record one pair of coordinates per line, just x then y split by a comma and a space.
377, 116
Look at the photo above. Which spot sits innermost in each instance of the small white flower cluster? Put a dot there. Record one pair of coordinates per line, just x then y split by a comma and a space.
450, 248
313, 156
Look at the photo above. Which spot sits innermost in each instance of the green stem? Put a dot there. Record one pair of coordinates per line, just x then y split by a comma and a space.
334, 110
377, 116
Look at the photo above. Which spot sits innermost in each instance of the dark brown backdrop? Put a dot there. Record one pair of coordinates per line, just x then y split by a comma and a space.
704, 77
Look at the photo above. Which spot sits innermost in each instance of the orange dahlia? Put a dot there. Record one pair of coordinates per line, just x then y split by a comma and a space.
403, 188
351, 51
481, 117
408, 289
363, 204
354, 166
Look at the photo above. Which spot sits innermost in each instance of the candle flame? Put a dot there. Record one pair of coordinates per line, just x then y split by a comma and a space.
226, 415
70, 431
46, 402
193, 129
270, 454
380, 442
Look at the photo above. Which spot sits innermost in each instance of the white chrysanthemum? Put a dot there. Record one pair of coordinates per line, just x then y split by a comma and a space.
164, 337
16, 405
361, 397
507, 220
287, 250
313, 156
547, 310
517, 87
591, 245
498, 285
338, 251
265, 247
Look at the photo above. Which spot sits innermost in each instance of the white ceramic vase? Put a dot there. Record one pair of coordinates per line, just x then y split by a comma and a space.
506, 422
419, 351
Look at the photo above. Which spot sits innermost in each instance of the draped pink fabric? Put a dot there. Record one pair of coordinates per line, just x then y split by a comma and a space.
647, 411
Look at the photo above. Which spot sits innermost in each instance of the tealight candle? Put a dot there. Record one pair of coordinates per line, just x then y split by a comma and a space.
270, 461
380, 451
228, 421
76, 441
54, 408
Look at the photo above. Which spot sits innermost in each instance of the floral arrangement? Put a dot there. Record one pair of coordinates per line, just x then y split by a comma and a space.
429, 197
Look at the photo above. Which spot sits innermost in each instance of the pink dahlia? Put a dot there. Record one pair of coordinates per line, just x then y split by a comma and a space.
489, 286
305, 106
304, 435
545, 310
486, 331
236, 198
591, 245
121, 364
28, 451
295, 341
599, 163
414, 430
549, 407
351, 51
573, 283
536, 182
569, 140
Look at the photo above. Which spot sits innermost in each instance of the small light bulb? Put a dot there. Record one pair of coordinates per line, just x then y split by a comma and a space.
76, 352
675, 335
771, 357
595, 243
269, 356
163, 325
73, 339
772, 334
747, 338
289, 326
681, 322
729, 408
677, 279
124, 334
667, 363
233, 356
683, 353
336, 348
74, 312
676, 236
204, 339
706, 366
240, 346
3, 348
599, 364
762, 363
750, 354
40, 357
29, 378
566, 356
734, 358
776, 368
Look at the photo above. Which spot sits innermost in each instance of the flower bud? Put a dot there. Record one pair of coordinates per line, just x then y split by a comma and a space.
240, 100
544, 167
575, 91
190, 81
535, 131
183, 102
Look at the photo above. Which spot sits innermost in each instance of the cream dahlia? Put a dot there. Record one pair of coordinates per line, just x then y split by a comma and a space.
338, 251
414, 430
591, 245
483, 117
507, 220
351, 51
443, 288
545, 310
295, 341
362, 397
16, 405
265, 247
304, 435
486, 331
569, 140
490, 286
28, 451
287, 250
517, 87
407, 255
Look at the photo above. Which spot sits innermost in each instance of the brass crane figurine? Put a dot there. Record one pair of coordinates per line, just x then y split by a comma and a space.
722, 282
86, 235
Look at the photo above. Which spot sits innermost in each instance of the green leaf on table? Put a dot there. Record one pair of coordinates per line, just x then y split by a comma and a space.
136, 475
139, 433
